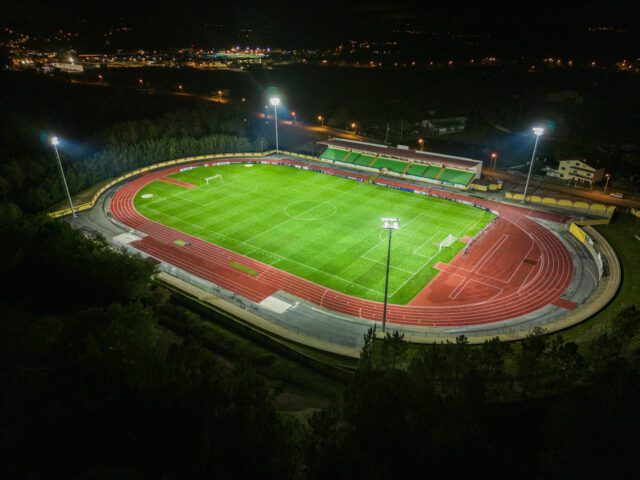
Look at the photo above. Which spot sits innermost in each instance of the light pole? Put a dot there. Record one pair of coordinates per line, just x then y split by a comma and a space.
494, 160
293, 114
389, 224
321, 120
606, 184
275, 101
538, 131
54, 142
421, 143
353, 125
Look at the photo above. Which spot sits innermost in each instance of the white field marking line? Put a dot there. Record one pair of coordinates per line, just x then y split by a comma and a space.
305, 211
526, 279
494, 248
420, 246
435, 255
474, 280
487, 255
482, 260
366, 257
280, 257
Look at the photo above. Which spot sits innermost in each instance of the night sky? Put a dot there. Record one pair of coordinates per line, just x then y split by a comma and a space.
294, 23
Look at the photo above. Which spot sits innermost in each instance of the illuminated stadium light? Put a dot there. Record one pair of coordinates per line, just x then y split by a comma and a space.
275, 101
390, 224
55, 141
538, 131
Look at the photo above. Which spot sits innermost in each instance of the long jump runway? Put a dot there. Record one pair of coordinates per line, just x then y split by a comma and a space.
513, 268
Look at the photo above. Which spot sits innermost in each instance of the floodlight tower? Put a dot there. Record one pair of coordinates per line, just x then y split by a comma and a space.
275, 101
54, 142
389, 224
538, 131
606, 185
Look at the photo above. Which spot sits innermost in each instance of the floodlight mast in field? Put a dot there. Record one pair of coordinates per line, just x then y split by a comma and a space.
538, 131
275, 101
55, 141
390, 224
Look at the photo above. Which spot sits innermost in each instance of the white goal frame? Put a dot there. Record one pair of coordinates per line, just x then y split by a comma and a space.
447, 242
213, 177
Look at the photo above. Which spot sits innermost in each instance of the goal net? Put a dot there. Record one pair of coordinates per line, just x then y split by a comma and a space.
447, 242
213, 178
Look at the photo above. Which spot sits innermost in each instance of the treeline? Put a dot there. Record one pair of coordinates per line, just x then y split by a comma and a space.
541, 408
103, 133
93, 387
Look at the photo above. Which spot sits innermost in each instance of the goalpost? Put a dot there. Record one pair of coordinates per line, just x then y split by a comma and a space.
214, 177
447, 242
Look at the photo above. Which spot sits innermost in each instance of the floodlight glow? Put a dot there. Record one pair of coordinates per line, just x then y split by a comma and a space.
390, 223
275, 101
54, 141
538, 130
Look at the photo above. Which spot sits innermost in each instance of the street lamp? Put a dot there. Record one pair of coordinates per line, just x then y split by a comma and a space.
390, 224
293, 114
494, 160
607, 176
353, 125
275, 101
321, 120
421, 143
538, 131
55, 141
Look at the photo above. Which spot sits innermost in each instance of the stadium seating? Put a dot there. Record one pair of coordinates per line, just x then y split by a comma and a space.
363, 160
391, 165
456, 176
416, 170
334, 154
432, 172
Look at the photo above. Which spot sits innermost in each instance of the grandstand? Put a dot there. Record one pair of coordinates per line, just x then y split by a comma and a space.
401, 162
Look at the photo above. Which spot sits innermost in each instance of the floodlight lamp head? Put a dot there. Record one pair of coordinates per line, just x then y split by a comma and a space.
538, 130
55, 141
275, 101
391, 223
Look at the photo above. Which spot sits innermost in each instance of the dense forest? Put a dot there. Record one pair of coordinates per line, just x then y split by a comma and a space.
90, 391
93, 387
103, 133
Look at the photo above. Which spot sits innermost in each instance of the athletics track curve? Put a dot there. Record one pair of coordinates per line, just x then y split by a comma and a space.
513, 268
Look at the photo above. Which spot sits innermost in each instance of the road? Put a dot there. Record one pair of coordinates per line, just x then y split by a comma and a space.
300, 136
593, 195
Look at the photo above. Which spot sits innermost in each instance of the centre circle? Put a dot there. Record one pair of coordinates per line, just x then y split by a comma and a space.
307, 210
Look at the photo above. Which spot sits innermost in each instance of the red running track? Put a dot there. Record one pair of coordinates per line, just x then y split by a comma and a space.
514, 267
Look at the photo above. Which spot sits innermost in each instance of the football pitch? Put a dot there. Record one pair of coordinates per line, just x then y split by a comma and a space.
320, 227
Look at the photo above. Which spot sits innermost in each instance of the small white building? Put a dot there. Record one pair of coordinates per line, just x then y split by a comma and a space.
576, 170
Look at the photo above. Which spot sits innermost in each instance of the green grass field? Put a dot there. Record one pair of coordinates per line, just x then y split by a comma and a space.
320, 227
